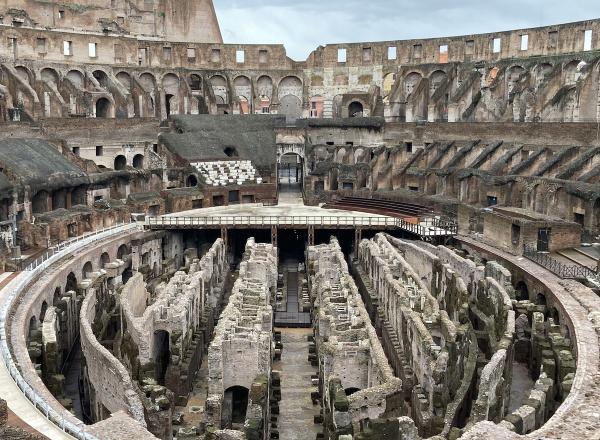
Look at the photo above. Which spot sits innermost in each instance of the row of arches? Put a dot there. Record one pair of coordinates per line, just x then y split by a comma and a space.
120, 162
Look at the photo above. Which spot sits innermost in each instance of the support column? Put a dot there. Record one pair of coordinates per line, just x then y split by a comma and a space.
311, 235
357, 239
224, 238
274, 235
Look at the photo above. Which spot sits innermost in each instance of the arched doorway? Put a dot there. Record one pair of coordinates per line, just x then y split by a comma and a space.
104, 260
290, 169
162, 354
355, 110
87, 270
237, 397
71, 285
521, 291
122, 251
120, 162
138, 161
290, 176
39, 202
191, 181
103, 108
168, 104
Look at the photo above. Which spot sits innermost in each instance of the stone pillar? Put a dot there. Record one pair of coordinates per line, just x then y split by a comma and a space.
224, 238
274, 236
357, 239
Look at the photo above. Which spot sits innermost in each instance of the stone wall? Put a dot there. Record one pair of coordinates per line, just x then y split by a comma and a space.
178, 307
243, 335
113, 385
423, 299
356, 380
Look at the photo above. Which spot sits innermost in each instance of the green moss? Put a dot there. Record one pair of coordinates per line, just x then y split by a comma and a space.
258, 390
253, 429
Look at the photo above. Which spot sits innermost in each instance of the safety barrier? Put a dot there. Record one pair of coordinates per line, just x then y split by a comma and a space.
562, 270
426, 227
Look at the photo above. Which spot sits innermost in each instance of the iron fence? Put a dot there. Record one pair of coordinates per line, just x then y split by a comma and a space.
566, 271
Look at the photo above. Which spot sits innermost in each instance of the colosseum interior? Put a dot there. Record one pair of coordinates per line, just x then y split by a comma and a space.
392, 240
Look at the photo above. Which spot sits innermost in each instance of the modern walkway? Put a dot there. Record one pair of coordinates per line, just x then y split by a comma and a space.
296, 411
290, 194
289, 313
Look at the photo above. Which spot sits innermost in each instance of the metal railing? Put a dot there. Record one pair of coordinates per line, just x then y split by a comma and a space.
566, 271
429, 226
24, 279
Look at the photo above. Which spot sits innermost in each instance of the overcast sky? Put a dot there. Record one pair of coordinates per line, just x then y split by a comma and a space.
303, 25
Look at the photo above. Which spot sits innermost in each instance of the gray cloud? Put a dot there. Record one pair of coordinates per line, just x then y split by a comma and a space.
304, 25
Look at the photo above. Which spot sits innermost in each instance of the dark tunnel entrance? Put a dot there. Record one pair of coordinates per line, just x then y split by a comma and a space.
162, 355
236, 398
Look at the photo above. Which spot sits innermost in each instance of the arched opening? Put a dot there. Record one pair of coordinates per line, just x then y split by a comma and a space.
56, 297
162, 355
125, 79
350, 391
76, 78
355, 110
49, 76
238, 396
219, 86
291, 107
521, 291
101, 77
191, 181
59, 199
43, 310
540, 299
71, 285
120, 162
138, 161
122, 252
555, 315
102, 108
168, 104
230, 152
290, 177
87, 270
195, 82
39, 202
104, 260
33, 325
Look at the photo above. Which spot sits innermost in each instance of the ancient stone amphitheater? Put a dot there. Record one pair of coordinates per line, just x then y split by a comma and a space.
395, 240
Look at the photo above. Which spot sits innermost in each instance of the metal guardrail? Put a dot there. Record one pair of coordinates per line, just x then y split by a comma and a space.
565, 271
427, 227
26, 277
